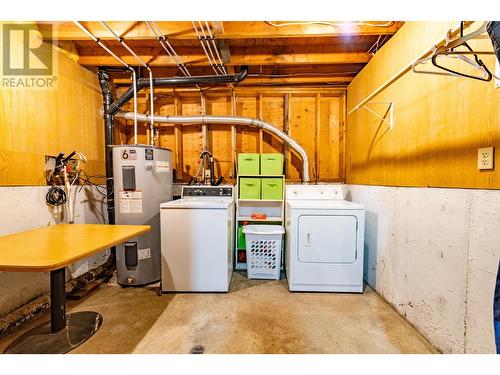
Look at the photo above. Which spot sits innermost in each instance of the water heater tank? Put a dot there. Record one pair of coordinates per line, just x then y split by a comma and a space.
142, 177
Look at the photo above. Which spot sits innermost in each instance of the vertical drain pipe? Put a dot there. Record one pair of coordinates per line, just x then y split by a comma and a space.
109, 139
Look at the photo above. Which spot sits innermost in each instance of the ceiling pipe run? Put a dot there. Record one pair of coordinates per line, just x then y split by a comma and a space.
155, 29
133, 92
124, 44
176, 81
226, 120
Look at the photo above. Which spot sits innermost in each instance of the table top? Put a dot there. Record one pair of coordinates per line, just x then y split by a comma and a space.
53, 247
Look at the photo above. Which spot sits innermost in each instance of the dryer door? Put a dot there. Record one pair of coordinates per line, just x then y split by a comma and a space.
327, 239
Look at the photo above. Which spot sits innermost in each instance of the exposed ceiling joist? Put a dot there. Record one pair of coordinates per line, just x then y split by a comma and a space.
277, 52
154, 59
232, 30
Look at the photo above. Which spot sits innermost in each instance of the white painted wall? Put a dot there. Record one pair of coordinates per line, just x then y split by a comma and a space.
23, 208
433, 254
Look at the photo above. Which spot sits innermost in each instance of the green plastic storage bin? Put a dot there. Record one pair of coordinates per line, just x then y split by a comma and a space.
250, 188
271, 164
241, 238
248, 164
272, 188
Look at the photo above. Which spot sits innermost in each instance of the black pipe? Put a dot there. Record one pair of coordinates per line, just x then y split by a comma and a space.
109, 139
212, 171
113, 69
175, 81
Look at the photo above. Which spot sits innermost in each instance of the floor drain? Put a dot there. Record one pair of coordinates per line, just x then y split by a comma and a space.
197, 349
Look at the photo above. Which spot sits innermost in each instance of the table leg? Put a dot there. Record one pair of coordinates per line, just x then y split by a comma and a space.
63, 332
57, 300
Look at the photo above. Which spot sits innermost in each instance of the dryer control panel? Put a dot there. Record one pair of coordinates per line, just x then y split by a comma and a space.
314, 192
207, 191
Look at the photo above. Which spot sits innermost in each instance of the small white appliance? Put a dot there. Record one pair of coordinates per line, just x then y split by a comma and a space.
324, 240
197, 238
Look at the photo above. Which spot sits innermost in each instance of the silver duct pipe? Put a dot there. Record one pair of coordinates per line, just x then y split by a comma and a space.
226, 120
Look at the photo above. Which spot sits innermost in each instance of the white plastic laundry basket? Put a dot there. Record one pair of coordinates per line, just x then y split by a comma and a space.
263, 247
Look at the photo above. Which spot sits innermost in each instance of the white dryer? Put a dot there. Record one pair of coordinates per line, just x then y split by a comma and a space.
324, 240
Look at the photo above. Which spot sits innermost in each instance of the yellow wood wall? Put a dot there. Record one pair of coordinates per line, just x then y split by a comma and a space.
439, 122
35, 123
314, 118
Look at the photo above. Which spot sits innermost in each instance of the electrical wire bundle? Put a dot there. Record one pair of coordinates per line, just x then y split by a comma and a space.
55, 196
86, 180
66, 178
63, 169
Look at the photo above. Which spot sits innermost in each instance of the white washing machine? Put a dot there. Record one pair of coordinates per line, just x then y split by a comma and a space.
197, 237
324, 240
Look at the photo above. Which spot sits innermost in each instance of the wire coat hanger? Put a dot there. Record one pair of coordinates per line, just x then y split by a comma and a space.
449, 49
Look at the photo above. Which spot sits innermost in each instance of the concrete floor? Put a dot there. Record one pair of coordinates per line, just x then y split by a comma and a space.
255, 317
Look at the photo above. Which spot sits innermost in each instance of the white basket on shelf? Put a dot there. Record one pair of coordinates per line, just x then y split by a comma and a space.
263, 248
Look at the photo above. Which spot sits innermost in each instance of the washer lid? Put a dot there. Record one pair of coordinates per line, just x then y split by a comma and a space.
198, 203
319, 204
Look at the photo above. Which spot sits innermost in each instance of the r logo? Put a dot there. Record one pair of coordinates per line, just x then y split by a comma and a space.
24, 51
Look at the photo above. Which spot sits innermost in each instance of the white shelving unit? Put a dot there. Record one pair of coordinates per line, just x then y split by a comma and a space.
274, 209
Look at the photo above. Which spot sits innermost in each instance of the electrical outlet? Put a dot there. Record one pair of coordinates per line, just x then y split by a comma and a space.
485, 158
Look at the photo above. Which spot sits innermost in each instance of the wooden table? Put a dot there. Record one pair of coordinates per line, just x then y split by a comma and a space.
51, 249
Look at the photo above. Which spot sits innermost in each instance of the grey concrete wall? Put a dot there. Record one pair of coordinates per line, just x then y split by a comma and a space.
23, 208
433, 254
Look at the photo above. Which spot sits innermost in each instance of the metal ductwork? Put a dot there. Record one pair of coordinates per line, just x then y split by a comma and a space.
176, 81
226, 120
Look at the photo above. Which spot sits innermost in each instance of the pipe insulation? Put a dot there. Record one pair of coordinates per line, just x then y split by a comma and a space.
226, 120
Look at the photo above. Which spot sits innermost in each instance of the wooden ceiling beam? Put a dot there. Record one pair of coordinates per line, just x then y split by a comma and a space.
344, 70
152, 58
260, 29
297, 80
95, 57
242, 91
232, 30
273, 81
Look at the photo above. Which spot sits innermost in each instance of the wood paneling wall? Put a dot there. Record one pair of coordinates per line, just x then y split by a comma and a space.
439, 122
35, 123
313, 117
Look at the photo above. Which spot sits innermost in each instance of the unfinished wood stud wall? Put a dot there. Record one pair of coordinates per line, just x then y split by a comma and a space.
312, 117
